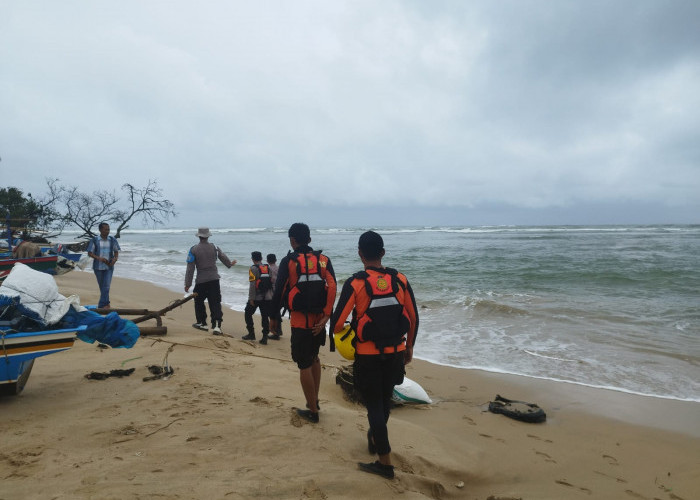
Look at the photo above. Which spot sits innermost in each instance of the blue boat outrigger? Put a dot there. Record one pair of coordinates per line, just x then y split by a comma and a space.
18, 350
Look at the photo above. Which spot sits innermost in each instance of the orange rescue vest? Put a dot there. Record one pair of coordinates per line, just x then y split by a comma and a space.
307, 291
385, 321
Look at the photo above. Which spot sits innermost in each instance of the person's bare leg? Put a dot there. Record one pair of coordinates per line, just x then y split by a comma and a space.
308, 385
316, 371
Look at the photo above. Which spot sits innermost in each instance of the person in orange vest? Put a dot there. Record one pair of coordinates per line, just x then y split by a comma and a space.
385, 321
306, 286
259, 295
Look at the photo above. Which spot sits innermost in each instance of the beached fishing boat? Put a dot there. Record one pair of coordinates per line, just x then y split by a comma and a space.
18, 350
45, 263
52, 258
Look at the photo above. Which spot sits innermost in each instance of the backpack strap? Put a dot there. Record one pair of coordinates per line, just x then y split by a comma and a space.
295, 257
360, 275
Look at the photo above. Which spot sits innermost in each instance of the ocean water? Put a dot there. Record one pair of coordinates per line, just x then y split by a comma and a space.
615, 307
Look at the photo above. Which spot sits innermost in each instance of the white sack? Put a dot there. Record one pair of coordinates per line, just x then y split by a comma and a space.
38, 292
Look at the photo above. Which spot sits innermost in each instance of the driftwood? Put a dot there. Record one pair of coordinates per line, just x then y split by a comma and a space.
145, 314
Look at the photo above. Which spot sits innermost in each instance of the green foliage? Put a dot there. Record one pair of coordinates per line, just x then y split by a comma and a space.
23, 211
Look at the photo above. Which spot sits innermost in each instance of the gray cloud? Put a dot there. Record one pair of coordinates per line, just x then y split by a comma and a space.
477, 112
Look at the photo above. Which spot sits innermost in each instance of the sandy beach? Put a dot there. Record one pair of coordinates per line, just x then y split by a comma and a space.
223, 427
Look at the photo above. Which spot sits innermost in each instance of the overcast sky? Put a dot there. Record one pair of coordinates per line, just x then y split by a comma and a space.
361, 113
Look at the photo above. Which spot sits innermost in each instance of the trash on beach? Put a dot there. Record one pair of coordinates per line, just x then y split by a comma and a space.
518, 410
159, 372
112, 373
410, 392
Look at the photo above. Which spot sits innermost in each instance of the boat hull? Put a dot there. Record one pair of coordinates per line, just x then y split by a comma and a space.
19, 350
45, 263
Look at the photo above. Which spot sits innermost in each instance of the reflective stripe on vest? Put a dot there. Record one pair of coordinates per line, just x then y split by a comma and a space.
310, 277
383, 301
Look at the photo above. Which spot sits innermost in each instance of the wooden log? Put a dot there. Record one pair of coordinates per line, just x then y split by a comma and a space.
160, 313
153, 330
145, 314
132, 312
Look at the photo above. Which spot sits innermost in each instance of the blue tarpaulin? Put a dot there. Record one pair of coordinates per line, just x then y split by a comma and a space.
30, 302
110, 329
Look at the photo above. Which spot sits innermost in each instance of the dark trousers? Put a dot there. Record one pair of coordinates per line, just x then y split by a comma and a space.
211, 292
375, 378
276, 314
265, 308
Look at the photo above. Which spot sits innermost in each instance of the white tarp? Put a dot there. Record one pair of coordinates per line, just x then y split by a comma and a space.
38, 292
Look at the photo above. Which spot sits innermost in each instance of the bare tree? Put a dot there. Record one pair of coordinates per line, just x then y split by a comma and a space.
68, 206
50, 221
87, 210
147, 202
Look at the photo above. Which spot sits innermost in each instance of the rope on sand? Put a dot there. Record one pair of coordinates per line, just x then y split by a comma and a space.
225, 349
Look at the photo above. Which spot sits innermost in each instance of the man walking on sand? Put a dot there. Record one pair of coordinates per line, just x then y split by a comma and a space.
104, 249
202, 257
385, 321
306, 286
275, 316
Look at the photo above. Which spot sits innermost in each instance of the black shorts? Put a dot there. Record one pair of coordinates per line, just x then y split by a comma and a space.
305, 346
375, 375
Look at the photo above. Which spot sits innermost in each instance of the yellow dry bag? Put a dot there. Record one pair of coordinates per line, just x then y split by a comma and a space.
343, 342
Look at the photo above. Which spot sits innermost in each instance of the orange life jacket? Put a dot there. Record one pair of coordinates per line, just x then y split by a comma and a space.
385, 320
307, 291
264, 282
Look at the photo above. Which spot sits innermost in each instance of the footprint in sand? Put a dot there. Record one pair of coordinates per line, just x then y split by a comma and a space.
21, 459
221, 344
312, 491
618, 479
491, 437
128, 430
532, 436
260, 401
569, 485
296, 420
469, 420
547, 458
611, 460
403, 464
